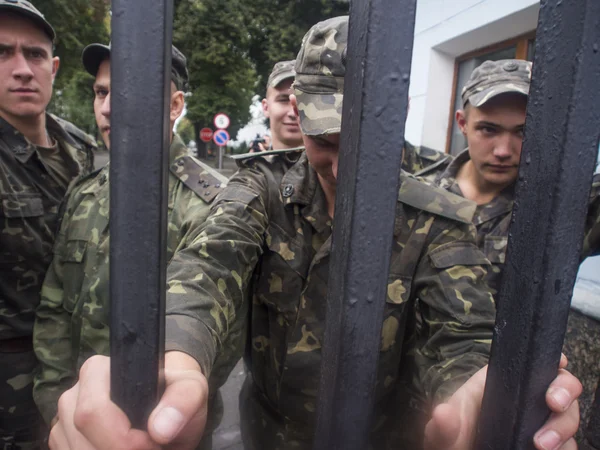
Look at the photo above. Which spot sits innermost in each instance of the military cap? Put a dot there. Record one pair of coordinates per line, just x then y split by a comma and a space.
493, 78
320, 70
282, 70
25, 8
94, 54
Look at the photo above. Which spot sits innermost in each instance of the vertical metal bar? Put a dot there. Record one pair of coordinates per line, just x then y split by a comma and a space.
557, 162
374, 112
140, 72
592, 432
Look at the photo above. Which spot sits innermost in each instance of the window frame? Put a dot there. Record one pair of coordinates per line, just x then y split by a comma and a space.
521, 43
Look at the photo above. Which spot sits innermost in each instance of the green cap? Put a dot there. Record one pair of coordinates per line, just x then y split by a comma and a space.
493, 78
320, 70
94, 54
283, 70
26, 9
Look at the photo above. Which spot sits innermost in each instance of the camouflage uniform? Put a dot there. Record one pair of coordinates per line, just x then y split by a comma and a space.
417, 158
72, 319
84, 140
30, 196
268, 241
492, 221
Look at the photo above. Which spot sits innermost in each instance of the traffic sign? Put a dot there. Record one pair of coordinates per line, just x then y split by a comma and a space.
206, 134
221, 121
221, 137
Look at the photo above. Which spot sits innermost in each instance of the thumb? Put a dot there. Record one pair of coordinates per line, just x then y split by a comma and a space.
443, 429
180, 416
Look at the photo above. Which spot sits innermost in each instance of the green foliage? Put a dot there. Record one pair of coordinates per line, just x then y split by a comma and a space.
232, 46
212, 35
185, 130
77, 23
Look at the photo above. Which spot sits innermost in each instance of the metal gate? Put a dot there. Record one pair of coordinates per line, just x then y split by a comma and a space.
560, 145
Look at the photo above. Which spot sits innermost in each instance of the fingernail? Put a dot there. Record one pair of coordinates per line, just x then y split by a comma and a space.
549, 440
561, 396
168, 422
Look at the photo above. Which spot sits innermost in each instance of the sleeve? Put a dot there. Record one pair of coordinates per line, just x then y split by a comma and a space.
208, 279
52, 337
591, 242
457, 312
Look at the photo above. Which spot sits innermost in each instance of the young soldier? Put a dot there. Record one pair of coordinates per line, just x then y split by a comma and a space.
269, 238
38, 160
72, 321
492, 120
283, 122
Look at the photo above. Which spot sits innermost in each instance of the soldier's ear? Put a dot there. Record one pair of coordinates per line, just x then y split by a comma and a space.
55, 66
265, 107
461, 120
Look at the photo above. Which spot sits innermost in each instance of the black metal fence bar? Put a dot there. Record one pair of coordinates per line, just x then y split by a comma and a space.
375, 108
559, 152
140, 69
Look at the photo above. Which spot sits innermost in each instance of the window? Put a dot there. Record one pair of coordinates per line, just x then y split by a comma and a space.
518, 48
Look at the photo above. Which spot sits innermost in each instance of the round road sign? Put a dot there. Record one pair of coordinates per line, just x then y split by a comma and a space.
221, 137
206, 134
221, 121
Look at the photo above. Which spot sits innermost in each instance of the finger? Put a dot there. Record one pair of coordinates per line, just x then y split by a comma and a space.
102, 422
443, 429
563, 391
66, 435
181, 413
571, 444
564, 362
558, 430
57, 439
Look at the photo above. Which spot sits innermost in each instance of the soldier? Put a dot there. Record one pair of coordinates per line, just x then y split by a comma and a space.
492, 120
268, 241
283, 122
38, 161
72, 319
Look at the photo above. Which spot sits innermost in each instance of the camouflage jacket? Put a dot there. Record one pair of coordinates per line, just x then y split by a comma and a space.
83, 139
72, 319
268, 241
492, 220
30, 199
415, 159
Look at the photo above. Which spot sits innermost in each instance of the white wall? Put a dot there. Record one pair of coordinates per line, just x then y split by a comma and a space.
444, 30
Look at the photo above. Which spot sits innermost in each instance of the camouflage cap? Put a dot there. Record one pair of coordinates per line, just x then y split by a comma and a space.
320, 70
493, 78
282, 70
26, 9
94, 54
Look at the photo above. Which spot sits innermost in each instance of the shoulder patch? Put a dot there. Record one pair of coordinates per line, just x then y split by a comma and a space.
438, 166
435, 200
76, 133
205, 181
247, 156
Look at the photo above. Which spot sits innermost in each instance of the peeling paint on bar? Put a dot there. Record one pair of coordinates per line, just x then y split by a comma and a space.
558, 159
140, 72
366, 183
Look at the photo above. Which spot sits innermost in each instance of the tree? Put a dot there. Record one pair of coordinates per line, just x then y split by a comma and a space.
232, 46
77, 23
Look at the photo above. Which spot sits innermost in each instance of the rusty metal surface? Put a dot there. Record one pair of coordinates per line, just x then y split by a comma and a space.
559, 153
374, 114
140, 72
